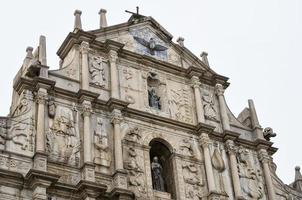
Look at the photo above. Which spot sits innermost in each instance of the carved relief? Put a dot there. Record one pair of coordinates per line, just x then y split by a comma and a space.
102, 153
250, 177
21, 134
15, 165
219, 167
129, 83
210, 111
3, 130
135, 172
63, 142
186, 147
51, 108
192, 180
179, 105
97, 71
133, 135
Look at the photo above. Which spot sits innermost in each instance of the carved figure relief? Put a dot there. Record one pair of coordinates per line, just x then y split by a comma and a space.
192, 180
133, 135
135, 171
63, 142
97, 70
102, 153
179, 105
219, 166
21, 134
51, 108
250, 178
210, 111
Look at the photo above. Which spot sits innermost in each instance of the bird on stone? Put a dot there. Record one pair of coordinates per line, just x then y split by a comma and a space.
151, 45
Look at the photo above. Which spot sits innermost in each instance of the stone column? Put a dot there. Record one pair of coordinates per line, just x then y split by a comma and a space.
230, 146
77, 20
118, 152
40, 136
205, 140
198, 101
223, 110
103, 19
87, 139
264, 158
85, 71
113, 74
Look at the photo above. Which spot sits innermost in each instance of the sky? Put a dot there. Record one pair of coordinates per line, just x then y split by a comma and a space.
256, 43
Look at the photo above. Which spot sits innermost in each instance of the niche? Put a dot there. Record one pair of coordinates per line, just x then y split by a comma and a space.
162, 168
153, 91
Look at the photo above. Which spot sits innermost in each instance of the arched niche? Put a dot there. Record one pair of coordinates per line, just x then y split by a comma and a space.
162, 150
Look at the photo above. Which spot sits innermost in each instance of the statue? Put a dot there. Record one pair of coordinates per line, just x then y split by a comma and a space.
150, 45
157, 178
154, 99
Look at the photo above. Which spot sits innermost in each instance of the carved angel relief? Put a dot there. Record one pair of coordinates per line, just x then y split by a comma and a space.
63, 142
250, 177
150, 45
210, 111
133, 135
97, 71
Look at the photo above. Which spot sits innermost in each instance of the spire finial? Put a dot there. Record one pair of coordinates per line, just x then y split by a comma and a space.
42, 50
180, 41
103, 19
77, 20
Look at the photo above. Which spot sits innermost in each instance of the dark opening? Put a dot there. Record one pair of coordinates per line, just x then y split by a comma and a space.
161, 151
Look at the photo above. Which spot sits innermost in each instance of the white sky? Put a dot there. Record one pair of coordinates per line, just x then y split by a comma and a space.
256, 43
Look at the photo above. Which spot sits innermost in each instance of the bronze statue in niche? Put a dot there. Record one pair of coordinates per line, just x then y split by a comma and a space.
157, 177
153, 87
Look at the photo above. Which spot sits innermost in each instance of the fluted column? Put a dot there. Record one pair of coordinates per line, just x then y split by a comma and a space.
205, 140
230, 146
87, 139
264, 158
40, 136
198, 101
85, 71
113, 74
222, 106
118, 152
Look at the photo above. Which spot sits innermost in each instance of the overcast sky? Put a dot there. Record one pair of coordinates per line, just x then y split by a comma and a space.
256, 43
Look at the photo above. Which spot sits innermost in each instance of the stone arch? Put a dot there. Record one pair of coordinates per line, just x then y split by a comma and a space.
159, 137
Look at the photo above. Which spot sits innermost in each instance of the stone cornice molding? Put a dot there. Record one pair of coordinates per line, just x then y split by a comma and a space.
11, 179
90, 189
36, 178
113, 103
85, 95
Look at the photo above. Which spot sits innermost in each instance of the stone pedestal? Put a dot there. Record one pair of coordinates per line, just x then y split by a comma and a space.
88, 172
158, 195
38, 181
213, 195
40, 161
89, 190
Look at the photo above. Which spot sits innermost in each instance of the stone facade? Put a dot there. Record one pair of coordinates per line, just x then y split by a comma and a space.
122, 96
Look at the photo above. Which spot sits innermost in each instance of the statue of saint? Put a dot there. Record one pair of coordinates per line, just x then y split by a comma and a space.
157, 178
154, 100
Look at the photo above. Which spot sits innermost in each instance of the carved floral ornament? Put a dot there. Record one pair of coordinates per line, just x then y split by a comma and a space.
116, 116
41, 97
113, 56
204, 140
84, 47
87, 108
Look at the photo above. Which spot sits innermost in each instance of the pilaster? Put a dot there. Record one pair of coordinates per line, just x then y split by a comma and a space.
84, 47
265, 159
198, 102
113, 74
231, 149
219, 90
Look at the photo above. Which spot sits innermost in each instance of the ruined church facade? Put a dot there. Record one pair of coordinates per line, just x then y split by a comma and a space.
129, 114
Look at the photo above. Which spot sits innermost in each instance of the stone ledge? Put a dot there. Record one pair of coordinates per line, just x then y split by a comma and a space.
121, 194
90, 189
11, 179
40, 178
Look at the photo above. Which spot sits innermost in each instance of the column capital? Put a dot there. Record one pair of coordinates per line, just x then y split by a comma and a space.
113, 56
195, 82
116, 116
41, 96
263, 156
87, 108
230, 147
84, 47
219, 90
204, 140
